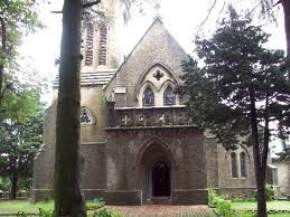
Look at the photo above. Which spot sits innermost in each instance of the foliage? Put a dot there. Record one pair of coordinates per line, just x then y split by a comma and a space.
241, 92
4, 184
222, 206
95, 203
20, 134
233, 60
17, 18
105, 213
269, 192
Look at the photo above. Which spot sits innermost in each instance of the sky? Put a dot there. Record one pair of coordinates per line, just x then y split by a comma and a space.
182, 18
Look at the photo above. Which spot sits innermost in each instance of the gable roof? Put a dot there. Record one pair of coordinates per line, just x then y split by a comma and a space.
155, 26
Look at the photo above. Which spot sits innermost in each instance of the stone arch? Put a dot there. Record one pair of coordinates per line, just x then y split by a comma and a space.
143, 88
151, 152
168, 70
169, 84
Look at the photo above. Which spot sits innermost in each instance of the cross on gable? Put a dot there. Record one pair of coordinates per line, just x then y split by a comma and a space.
158, 75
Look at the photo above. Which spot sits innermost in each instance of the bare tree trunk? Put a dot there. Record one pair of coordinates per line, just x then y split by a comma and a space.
14, 185
260, 170
68, 198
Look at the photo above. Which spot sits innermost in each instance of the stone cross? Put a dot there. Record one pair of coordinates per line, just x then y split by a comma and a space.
158, 75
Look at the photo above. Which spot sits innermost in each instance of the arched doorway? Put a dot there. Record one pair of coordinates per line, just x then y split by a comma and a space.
160, 179
156, 170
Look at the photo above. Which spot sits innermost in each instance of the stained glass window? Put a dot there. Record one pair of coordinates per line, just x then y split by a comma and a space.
148, 97
243, 165
234, 165
169, 96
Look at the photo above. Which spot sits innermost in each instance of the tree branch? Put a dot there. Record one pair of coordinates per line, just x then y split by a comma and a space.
208, 14
89, 4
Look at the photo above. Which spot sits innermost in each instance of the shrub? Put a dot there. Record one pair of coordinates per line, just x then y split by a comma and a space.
269, 193
105, 213
222, 206
95, 203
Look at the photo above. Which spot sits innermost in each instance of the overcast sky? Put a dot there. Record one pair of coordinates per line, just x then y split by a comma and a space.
182, 18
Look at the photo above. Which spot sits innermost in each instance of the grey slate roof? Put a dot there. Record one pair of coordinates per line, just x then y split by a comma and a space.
92, 78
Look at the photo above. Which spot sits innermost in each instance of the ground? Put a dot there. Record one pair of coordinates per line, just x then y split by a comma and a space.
149, 210
271, 205
163, 211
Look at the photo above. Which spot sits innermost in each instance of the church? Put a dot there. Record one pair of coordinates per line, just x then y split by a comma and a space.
138, 144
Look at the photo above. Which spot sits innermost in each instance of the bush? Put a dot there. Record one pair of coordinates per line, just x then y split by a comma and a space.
105, 213
269, 193
95, 203
222, 206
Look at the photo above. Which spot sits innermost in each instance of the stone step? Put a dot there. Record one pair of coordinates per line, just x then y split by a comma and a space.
159, 200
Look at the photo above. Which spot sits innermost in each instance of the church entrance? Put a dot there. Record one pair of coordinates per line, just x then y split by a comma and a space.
160, 179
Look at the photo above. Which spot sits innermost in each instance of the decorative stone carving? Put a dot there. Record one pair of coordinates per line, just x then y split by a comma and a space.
158, 75
86, 116
126, 120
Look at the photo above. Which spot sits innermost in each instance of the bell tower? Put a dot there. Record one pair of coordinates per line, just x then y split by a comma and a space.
100, 43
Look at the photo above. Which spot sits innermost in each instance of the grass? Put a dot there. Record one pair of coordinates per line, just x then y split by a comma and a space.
271, 205
27, 206
279, 215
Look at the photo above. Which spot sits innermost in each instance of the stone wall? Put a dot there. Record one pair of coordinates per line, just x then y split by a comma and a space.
183, 147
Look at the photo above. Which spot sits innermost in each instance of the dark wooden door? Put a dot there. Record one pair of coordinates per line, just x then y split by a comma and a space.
161, 179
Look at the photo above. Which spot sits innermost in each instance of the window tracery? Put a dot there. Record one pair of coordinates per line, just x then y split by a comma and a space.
148, 97
103, 45
234, 165
243, 164
89, 45
169, 97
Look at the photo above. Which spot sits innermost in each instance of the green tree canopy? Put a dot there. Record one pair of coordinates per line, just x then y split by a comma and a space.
20, 134
17, 18
241, 90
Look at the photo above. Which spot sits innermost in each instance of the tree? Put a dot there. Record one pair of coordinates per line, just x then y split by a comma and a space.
67, 194
20, 135
17, 17
242, 92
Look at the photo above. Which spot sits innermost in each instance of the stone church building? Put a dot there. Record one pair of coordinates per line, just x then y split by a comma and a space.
138, 145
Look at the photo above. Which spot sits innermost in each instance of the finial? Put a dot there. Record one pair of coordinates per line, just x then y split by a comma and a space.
157, 9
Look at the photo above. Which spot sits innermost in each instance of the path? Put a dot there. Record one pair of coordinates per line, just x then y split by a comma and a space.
162, 211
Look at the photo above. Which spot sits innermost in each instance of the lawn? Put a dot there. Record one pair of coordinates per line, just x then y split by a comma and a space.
271, 205
27, 206
279, 215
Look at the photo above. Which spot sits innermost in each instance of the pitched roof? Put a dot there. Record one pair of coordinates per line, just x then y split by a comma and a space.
91, 78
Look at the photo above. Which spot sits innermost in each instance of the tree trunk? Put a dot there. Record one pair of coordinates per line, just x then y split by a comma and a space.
3, 51
14, 185
68, 197
260, 169
286, 8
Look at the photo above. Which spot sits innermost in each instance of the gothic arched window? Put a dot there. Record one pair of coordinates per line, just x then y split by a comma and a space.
234, 165
169, 97
89, 45
103, 45
243, 164
148, 97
